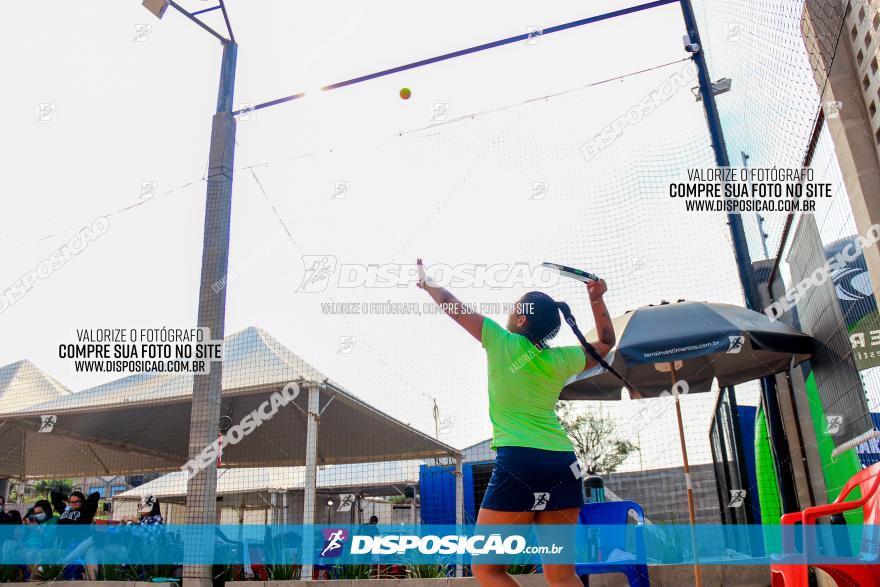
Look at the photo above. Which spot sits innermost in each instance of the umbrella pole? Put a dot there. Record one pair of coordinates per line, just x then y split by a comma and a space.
687, 475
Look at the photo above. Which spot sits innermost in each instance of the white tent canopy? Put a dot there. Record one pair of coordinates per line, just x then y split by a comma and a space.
140, 423
22, 385
254, 485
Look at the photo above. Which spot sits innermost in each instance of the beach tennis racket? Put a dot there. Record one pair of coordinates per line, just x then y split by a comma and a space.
571, 272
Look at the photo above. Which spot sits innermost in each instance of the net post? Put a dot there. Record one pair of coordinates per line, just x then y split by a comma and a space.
201, 500
412, 507
310, 483
459, 503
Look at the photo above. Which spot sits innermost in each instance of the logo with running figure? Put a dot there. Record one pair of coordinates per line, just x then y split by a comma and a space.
736, 344
319, 269
737, 497
333, 541
541, 499
47, 423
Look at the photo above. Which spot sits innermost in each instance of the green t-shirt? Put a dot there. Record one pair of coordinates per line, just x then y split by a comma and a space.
524, 384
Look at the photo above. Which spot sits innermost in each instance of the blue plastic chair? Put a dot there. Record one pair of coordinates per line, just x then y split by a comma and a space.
615, 513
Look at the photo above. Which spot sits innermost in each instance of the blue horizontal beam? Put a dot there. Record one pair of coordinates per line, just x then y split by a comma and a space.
475, 49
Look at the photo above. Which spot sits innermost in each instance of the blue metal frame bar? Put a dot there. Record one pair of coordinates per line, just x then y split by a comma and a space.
477, 48
226, 20
205, 10
183, 11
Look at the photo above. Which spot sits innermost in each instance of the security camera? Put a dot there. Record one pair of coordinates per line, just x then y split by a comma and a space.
689, 45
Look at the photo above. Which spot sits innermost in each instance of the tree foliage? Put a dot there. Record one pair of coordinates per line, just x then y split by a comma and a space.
44, 487
594, 439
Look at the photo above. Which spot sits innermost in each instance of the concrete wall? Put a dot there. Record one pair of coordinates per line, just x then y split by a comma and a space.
663, 495
478, 452
855, 128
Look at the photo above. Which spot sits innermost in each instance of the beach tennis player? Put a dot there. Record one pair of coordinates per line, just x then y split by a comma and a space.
536, 478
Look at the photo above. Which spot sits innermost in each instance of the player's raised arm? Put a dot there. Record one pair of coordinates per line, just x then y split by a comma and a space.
604, 326
452, 306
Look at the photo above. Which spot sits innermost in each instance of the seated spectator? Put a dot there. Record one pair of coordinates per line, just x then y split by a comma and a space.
5, 518
41, 513
38, 543
149, 512
372, 528
77, 509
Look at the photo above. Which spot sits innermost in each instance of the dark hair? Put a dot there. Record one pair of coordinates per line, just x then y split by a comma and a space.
543, 323
15, 516
156, 511
542, 318
374, 520
78, 494
45, 505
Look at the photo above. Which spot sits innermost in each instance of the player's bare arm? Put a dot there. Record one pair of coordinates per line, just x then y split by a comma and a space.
604, 326
453, 307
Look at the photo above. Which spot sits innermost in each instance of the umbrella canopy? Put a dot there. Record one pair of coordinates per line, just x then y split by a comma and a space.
704, 341
694, 342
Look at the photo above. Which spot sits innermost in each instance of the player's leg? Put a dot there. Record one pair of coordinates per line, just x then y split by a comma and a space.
497, 575
560, 575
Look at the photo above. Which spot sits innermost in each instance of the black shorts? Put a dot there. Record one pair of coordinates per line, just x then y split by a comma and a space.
531, 479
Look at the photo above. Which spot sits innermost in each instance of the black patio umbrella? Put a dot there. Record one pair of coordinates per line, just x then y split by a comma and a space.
694, 343
702, 341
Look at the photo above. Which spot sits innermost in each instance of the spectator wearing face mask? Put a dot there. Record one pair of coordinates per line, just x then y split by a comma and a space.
41, 513
37, 543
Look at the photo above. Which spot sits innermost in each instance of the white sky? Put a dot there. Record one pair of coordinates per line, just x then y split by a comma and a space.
128, 112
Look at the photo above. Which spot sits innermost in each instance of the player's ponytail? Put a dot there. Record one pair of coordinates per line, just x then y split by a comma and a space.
588, 348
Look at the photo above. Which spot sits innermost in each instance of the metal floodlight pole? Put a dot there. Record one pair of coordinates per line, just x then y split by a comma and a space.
734, 221
737, 233
207, 388
201, 499
741, 252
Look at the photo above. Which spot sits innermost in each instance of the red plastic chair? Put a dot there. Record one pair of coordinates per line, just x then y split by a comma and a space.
866, 571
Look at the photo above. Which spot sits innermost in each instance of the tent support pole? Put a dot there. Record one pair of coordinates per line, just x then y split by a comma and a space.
310, 485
